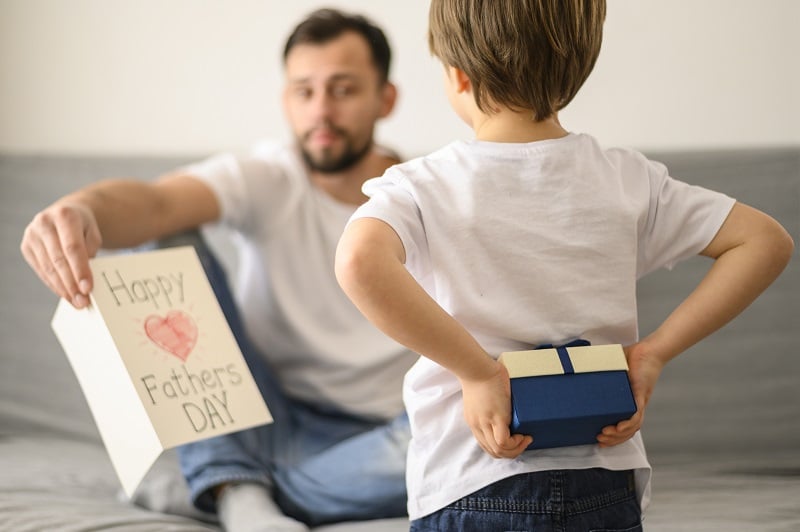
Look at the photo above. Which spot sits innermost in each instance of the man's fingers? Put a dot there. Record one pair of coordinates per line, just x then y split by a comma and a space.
78, 259
92, 240
35, 257
56, 248
57, 266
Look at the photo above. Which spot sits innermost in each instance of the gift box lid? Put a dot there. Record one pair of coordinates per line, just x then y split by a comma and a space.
564, 360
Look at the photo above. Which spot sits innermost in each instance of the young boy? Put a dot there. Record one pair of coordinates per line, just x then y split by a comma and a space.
531, 235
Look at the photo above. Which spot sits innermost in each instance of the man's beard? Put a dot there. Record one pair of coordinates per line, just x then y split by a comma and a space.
328, 163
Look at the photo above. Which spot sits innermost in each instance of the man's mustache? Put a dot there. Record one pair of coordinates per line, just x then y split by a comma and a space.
328, 127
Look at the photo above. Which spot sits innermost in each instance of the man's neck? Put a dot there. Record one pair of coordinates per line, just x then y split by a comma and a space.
345, 186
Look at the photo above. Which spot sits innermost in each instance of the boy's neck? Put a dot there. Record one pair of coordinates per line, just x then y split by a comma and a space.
519, 127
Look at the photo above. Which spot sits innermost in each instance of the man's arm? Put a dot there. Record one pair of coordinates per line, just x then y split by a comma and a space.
61, 239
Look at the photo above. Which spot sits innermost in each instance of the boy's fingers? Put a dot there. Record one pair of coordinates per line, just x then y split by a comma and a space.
506, 444
500, 444
619, 433
478, 433
502, 436
523, 441
520, 445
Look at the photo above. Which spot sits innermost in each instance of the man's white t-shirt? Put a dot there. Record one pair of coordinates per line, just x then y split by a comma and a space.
286, 231
529, 244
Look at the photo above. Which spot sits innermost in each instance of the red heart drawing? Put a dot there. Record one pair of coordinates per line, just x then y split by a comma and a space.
175, 333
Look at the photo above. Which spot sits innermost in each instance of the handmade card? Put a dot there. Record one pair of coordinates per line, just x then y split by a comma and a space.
156, 359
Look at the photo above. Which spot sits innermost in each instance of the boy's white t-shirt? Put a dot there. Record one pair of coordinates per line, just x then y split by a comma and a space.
528, 244
286, 231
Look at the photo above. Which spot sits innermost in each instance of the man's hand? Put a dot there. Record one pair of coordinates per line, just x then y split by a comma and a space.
487, 410
58, 243
644, 368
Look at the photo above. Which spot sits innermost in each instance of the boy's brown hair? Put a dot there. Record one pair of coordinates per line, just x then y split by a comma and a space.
522, 54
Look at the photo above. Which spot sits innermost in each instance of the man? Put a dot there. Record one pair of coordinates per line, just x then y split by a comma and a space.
336, 450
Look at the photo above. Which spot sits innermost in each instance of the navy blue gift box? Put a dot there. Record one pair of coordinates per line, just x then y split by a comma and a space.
565, 395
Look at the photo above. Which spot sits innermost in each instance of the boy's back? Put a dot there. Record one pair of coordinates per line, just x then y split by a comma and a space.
527, 244
533, 235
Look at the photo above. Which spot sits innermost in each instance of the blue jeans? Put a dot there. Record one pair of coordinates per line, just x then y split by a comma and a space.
321, 465
549, 501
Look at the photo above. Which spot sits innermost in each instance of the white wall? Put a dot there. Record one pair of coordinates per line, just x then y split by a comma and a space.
195, 76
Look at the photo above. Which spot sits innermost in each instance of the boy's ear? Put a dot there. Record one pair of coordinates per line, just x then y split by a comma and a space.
463, 84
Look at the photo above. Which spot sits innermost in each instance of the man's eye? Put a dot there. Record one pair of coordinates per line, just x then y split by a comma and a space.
302, 92
341, 91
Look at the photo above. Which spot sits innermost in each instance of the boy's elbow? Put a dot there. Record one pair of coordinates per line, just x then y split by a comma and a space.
351, 267
765, 235
785, 245
778, 244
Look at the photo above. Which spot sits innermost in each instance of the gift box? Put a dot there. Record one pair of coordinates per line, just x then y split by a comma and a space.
565, 395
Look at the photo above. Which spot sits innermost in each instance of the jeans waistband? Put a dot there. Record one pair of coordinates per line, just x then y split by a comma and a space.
553, 492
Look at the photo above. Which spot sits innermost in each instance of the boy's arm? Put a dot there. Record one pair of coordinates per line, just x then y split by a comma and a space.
750, 250
61, 239
370, 268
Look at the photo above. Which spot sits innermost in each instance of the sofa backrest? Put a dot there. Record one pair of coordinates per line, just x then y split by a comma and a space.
735, 391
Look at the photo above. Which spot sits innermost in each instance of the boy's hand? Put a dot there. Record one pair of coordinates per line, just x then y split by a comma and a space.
644, 369
487, 410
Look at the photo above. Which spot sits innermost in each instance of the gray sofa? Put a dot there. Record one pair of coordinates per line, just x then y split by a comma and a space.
723, 428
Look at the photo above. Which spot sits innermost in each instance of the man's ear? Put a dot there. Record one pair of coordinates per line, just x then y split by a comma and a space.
388, 99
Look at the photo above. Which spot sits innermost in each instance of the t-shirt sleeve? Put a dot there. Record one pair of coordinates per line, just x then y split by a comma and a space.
252, 192
392, 202
682, 219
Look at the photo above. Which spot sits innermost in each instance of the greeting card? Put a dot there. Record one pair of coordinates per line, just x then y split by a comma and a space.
156, 359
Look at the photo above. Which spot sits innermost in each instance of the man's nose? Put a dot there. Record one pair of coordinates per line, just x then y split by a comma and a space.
322, 106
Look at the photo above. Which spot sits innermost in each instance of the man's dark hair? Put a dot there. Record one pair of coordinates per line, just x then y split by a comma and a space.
325, 25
